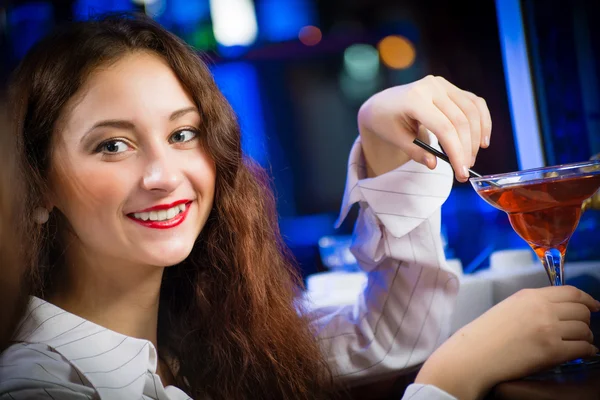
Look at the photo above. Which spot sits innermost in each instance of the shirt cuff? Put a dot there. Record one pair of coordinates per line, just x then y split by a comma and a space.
417, 391
401, 199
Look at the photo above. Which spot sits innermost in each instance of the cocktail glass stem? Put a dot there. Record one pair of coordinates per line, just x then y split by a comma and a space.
553, 261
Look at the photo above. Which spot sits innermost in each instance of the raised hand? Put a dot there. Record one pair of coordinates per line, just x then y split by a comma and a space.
390, 121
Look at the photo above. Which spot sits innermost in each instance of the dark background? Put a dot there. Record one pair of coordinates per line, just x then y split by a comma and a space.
297, 103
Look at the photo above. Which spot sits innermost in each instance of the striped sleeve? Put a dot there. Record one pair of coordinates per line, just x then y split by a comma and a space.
403, 313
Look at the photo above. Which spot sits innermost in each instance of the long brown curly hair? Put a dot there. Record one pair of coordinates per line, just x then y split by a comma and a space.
227, 313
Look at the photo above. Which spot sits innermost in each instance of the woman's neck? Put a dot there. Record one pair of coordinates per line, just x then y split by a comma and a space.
120, 296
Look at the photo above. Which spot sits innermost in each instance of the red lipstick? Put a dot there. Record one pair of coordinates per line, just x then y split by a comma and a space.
167, 224
163, 206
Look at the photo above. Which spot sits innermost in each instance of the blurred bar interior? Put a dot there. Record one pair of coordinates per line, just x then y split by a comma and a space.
296, 72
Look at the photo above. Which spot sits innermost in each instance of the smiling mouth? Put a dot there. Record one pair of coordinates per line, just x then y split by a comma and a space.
162, 219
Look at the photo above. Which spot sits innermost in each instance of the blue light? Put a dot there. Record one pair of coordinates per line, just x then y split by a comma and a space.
239, 83
36, 11
308, 229
519, 85
232, 51
86, 9
27, 24
280, 20
474, 229
186, 12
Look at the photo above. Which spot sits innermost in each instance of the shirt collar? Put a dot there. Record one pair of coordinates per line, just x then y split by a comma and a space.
109, 360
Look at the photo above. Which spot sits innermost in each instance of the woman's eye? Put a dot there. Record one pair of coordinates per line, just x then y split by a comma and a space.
182, 136
112, 147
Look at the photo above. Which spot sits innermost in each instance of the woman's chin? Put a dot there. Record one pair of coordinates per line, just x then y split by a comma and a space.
168, 255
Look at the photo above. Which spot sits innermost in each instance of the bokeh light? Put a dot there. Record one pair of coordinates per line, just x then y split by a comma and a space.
310, 35
154, 8
361, 62
281, 20
234, 22
397, 52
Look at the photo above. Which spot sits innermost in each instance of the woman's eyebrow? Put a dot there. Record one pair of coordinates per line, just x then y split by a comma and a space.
110, 123
124, 124
182, 112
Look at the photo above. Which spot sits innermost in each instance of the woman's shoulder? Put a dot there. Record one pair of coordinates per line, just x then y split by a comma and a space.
35, 369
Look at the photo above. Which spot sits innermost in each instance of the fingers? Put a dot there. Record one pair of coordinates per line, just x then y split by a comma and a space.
570, 294
572, 312
485, 117
465, 128
575, 330
432, 118
573, 349
461, 125
459, 119
471, 113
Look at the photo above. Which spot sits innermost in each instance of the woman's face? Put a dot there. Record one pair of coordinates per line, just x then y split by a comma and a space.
128, 168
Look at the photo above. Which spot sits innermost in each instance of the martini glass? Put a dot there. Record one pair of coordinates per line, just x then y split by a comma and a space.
544, 207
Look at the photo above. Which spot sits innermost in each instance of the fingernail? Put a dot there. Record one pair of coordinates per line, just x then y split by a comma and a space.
465, 171
597, 305
426, 161
486, 141
595, 350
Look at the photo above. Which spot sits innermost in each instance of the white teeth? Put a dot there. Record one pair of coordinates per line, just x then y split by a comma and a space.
161, 215
143, 216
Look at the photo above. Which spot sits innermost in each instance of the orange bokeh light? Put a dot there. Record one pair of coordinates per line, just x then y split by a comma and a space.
396, 52
310, 35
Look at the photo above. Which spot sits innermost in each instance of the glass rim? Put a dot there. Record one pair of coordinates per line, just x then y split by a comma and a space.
534, 170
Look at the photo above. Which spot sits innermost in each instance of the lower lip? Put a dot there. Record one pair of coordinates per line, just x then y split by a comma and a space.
168, 224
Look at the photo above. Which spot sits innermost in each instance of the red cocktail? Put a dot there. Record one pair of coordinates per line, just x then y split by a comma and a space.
543, 206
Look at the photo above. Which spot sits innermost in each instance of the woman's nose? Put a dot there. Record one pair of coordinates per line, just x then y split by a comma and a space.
161, 175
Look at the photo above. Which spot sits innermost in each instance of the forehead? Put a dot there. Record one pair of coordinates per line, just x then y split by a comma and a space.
138, 84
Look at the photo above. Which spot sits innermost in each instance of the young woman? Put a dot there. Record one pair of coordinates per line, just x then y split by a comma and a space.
160, 271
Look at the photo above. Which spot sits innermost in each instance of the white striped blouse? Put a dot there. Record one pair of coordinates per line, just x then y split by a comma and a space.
400, 318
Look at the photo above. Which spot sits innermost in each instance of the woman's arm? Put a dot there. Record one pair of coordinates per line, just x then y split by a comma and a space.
402, 315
